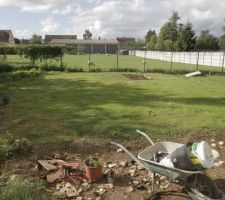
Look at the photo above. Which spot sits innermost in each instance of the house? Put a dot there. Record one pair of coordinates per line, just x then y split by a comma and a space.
126, 43
6, 37
60, 39
97, 46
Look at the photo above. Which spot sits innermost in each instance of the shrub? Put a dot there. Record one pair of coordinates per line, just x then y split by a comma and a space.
73, 69
48, 68
5, 67
123, 70
95, 70
9, 147
19, 189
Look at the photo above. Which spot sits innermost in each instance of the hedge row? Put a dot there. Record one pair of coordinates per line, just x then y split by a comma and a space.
34, 52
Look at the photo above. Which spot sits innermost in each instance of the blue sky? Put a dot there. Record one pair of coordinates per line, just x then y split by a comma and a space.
107, 19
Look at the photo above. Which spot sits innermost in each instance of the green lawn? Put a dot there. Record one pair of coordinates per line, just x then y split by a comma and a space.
62, 106
107, 62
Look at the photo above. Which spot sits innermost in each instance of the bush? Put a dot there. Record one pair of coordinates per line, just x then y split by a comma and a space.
20, 189
5, 67
48, 68
74, 69
95, 70
9, 147
123, 70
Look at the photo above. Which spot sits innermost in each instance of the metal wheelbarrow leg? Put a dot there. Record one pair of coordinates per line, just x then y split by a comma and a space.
136, 160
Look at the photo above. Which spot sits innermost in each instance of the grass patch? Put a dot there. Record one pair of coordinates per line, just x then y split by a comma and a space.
60, 107
20, 189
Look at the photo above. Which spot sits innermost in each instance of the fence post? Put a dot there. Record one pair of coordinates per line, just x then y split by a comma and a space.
145, 60
117, 60
171, 62
223, 61
197, 61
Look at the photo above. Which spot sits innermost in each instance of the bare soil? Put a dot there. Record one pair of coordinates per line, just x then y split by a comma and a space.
121, 178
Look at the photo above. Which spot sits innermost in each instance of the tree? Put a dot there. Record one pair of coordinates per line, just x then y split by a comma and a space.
222, 40
17, 41
87, 35
169, 34
140, 43
149, 35
152, 43
187, 38
207, 41
36, 39
170, 29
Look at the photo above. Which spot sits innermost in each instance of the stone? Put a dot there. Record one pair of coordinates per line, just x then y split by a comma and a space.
80, 191
130, 189
219, 163
139, 167
213, 145
68, 185
112, 165
71, 192
101, 191
136, 182
79, 198
59, 195
85, 184
132, 172
221, 143
57, 156
123, 163
212, 140
107, 186
119, 150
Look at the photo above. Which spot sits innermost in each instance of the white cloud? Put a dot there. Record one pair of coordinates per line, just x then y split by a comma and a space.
135, 17
49, 25
37, 6
22, 34
111, 18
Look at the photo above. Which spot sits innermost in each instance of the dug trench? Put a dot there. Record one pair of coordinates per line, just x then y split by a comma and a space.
123, 178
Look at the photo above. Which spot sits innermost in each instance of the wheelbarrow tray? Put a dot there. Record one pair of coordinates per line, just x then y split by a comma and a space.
147, 156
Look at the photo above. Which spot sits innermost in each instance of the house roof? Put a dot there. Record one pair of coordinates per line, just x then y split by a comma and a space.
125, 39
5, 35
62, 41
49, 38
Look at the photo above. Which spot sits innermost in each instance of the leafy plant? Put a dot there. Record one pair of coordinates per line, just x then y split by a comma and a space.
93, 162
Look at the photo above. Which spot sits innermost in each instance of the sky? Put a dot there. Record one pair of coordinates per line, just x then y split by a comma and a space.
107, 18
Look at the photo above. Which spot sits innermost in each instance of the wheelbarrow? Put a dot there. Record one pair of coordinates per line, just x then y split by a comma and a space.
198, 185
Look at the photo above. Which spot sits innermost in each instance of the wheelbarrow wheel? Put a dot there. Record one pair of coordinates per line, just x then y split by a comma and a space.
204, 185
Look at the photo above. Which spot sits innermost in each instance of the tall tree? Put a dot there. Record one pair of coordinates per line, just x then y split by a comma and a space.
152, 43
87, 34
207, 41
222, 40
169, 33
187, 38
149, 35
170, 30
36, 39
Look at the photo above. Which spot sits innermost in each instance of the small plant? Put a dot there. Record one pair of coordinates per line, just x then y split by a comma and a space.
93, 162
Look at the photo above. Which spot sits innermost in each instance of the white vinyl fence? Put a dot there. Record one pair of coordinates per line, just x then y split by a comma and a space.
214, 59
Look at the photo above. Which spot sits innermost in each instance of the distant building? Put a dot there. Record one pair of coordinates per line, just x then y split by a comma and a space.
59, 39
126, 43
6, 37
97, 46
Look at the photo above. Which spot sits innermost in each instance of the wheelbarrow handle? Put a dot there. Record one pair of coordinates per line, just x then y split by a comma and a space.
131, 155
146, 136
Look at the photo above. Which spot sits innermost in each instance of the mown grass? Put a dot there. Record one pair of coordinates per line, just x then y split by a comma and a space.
105, 63
60, 107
